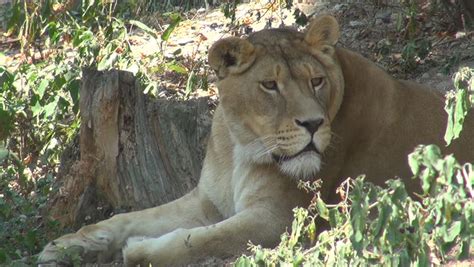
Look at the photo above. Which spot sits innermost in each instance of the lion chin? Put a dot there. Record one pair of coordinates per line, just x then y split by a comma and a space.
302, 167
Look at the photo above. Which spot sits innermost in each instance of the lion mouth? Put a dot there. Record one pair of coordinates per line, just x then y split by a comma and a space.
308, 148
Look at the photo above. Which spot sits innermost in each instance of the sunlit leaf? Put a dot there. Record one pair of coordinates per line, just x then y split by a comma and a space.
37, 109
107, 62
50, 108
3, 154
322, 209
384, 213
42, 88
452, 232
175, 20
414, 163
176, 67
458, 103
190, 84
144, 27
432, 154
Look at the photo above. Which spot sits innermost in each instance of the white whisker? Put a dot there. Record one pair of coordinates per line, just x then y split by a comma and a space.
258, 150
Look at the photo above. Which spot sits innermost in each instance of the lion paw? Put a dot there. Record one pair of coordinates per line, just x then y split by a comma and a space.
135, 252
90, 244
165, 250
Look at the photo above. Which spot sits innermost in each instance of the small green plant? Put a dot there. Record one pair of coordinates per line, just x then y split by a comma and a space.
416, 48
229, 10
458, 102
372, 225
385, 226
411, 12
450, 63
413, 52
20, 231
37, 108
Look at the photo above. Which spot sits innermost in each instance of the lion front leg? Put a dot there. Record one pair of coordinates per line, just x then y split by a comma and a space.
103, 241
226, 238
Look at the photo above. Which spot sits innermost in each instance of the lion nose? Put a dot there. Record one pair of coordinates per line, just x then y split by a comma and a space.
311, 125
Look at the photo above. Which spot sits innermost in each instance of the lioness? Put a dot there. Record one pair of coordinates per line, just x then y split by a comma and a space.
292, 106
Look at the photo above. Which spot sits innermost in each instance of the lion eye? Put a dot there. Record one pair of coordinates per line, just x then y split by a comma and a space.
317, 82
270, 85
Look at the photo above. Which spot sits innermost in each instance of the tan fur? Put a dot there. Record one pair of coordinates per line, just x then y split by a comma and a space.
275, 87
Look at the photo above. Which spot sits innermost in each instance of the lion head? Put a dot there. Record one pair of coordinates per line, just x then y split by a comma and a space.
279, 90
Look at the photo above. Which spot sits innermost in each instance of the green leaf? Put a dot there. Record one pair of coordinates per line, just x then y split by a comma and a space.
449, 167
414, 163
63, 104
42, 88
176, 67
464, 251
244, 261
322, 209
50, 108
3, 256
107, 62
2, 57
3, 154
190, 84
452, 232
6, 122
311, 229
175, 20
404, 258
432, 154
144, 28
6, 80
460, 111
426, 178
31, 239
458, 103
381, 221
334, 217
358, 236
82, 37
73, 88
37, 109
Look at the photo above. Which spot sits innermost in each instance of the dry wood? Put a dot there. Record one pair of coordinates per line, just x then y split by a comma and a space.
135, 152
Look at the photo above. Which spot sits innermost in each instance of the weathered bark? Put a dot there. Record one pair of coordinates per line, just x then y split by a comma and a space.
135, 152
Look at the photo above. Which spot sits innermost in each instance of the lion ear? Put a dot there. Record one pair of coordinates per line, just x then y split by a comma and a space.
230, 56
322, 31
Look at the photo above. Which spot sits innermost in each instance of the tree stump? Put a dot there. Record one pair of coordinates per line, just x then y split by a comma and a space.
134, 152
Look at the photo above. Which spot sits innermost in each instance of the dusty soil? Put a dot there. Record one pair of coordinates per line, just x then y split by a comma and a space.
366, 28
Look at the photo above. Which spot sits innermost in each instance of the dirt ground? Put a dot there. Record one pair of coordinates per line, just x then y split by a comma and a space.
366, 28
